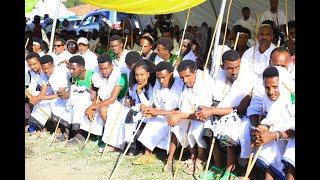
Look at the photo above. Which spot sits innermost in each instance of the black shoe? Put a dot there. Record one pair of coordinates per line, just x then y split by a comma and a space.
133, 152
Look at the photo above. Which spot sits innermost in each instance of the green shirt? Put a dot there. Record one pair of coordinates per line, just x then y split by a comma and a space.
124, 83
171, 60
87, 80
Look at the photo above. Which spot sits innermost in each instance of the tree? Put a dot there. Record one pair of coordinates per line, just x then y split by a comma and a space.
72, 3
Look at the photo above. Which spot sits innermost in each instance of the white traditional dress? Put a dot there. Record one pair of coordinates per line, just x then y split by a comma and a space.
280, 117
200, 94
157, 132
106, 86
36, 113
59, 79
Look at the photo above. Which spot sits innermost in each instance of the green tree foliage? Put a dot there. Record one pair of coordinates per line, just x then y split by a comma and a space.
72, 3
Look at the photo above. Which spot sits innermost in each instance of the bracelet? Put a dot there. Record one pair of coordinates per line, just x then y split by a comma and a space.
280, 135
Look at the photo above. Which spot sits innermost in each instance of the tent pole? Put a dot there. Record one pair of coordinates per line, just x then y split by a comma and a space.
214, 9
54, 26
215, 62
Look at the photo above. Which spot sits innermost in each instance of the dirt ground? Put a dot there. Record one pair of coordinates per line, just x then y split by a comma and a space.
59, 162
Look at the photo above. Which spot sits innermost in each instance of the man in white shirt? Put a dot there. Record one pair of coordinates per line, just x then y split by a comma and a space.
274, 14
247, 21
60, 55
90, 58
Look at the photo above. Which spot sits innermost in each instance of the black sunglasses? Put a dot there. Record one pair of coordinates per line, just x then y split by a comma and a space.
58, 45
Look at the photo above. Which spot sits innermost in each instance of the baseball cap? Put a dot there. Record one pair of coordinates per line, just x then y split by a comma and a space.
83, 40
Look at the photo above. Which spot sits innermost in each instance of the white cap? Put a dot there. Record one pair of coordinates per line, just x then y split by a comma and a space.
83, 40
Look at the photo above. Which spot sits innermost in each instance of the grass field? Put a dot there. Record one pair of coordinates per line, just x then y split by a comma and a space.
60, 162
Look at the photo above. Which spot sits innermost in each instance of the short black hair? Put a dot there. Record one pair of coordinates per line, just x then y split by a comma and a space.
269, 72
77, 59
132, 57
187, 64
279, 49
46, 59
230, 55
62, 40
164, 65
190, 36
148, 39
245, 8
103, 58
116, 37
33, 55
166, 42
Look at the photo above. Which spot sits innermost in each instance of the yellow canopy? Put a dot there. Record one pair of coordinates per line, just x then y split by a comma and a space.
147, 7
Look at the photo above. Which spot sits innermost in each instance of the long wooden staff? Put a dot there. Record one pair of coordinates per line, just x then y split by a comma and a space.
252, 149
204, 70
225, 34
278, 43
84, 144
184, 31
236, 43
114, 124
287, 28
25, 46
109, 29
255, 41
55, 130
131, 140
144, 44
125, 42
42, 110
210, 49
182, 148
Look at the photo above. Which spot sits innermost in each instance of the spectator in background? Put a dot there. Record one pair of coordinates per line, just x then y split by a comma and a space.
247, 21
275, 14
72, 46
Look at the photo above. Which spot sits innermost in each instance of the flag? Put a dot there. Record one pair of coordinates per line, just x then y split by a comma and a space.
44, 37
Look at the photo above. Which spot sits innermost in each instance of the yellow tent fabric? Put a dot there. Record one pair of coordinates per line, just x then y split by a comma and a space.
146, 7
29, 4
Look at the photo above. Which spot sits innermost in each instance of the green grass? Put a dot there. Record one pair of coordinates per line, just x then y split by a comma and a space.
90, 163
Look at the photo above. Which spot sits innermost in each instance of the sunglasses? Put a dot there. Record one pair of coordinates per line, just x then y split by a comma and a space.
58, 45
72, 45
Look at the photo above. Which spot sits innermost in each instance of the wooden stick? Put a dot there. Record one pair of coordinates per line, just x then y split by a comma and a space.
252, 149
184, 31
144, 44
109, 29
25, 46
278, 43
225, 34
210, 49
131, 139
114, 124
287, 28
255, 41
209, 158
85, 142
125, 42
288, 88
55, 131
44, 112
252, 164
236, 43
182, 148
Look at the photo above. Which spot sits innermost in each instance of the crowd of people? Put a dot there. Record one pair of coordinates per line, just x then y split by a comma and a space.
149, 92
